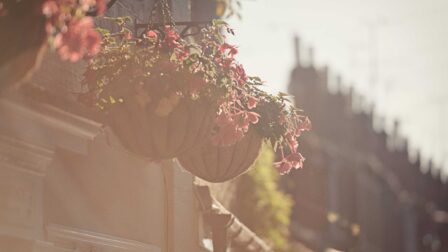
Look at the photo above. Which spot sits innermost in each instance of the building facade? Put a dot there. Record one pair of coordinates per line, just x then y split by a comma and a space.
67, 184
359, 190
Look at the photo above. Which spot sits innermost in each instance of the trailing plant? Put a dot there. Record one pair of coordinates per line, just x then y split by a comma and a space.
280, 123
163, 69
261, 205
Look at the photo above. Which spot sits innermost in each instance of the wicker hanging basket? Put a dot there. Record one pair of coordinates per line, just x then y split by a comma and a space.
219, 164
145, 132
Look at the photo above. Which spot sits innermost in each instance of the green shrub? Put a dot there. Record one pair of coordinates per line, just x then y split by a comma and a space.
261, 205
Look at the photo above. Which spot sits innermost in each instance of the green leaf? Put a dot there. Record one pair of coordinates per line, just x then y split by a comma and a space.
219, 22
255, 78
173, 57
281, 94
102, 31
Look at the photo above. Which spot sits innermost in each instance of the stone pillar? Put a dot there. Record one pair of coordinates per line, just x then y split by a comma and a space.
23, 167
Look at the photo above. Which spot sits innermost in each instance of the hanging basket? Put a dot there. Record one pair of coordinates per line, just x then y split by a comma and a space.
142, 130
22, 42
218, 164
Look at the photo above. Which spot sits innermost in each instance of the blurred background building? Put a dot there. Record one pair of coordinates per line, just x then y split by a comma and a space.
361, 189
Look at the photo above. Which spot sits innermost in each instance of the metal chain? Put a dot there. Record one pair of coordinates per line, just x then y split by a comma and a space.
152, 12
166, 13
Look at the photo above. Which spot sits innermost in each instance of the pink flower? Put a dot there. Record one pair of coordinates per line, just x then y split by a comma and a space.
127, 35
171, 38
306, 124
231, 127
100, 7
293, 160
86, 4
283, 166
296, 160
92, 42
152, 35
253, 117
226, 62
292, 141
223, 119
240, 74
78, 41
50, 8
181, 53
231, 49
251, 102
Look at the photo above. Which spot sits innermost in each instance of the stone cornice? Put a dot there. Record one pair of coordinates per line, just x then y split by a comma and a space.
19, 155
92, 241
46, 125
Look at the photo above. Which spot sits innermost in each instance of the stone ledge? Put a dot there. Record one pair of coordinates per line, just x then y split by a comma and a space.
82, 240
23, 156
46, 125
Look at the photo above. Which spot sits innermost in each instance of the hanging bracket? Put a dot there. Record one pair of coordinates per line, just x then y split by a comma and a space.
93, 13
186, 26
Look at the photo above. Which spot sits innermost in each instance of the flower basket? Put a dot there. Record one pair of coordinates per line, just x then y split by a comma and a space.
142, 130
165, 96
223, 159
221, 163
149, 120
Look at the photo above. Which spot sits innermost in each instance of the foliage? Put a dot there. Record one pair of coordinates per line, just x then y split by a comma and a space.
159, 69
261, 205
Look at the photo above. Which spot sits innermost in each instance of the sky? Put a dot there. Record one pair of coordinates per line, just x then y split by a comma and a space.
405, 39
